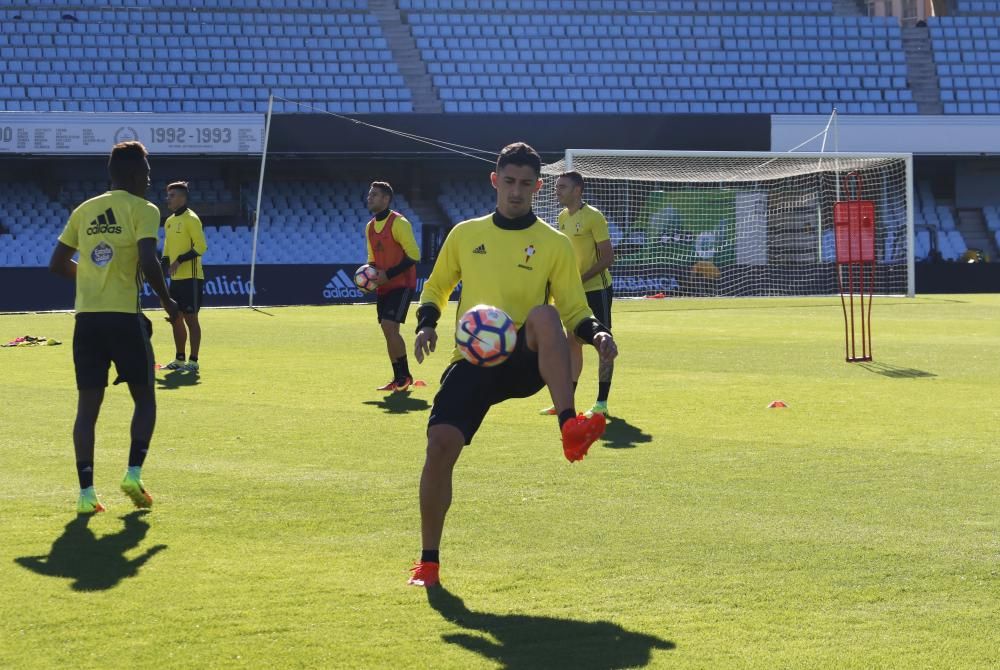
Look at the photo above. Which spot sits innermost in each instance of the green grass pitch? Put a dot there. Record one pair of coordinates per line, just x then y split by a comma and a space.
858, 528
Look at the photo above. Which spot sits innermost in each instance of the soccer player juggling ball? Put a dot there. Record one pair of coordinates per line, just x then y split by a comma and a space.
115, 234
513, 260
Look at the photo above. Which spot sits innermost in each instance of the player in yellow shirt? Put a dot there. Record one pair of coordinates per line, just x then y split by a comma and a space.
392, 250
115, 234
587, 229
183, 246
513, 260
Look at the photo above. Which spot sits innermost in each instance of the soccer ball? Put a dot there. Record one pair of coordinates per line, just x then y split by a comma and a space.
486, 335
365, 277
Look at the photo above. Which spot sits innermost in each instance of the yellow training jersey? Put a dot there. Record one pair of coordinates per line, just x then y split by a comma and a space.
106, 230
514, 270
182, 233
402, 232
585, 228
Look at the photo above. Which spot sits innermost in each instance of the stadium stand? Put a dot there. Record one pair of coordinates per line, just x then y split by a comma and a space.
606, 58
197, 56
312, 222
967, 56
301, 222
934, 227
560, 56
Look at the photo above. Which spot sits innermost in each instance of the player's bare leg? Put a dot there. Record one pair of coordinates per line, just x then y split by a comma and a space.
545, 335
143, 423
576, 367
88, 408
194, 327
396, 348
180, 344
444, 446
575, 356
605, 370
393, 340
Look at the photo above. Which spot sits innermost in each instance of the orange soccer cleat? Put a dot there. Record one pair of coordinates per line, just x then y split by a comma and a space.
396, 385
579, 433
424, 573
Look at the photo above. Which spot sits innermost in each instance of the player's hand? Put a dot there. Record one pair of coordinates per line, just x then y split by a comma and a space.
172, 270
606, 347
172, 309
425, 343
382, 277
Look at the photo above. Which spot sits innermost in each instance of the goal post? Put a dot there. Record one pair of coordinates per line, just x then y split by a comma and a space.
686, 223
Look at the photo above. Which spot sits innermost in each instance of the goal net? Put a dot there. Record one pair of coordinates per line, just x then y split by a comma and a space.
739, 224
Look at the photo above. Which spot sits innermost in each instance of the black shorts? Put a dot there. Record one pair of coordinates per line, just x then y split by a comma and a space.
187, 293
100, 338
468, 391
600, 305
394, 305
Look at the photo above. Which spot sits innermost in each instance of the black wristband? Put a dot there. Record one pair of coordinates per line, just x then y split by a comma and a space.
588, 328
400, 268
186, 256
427, 316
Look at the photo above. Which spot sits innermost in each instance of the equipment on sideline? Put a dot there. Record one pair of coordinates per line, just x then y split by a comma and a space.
854, 224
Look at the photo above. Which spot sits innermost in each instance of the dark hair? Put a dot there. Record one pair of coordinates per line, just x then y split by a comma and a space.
127, 159
519, 153
178, 186
384, 187
574, 177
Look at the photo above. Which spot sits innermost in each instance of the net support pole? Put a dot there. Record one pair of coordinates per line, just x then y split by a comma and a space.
260, 194
911, 276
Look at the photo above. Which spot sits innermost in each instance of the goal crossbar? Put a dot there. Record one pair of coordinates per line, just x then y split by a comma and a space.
740, 223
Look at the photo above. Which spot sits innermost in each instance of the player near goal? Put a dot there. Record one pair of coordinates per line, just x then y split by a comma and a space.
393, 251
513, 260
183, 246
587, 229
115, 234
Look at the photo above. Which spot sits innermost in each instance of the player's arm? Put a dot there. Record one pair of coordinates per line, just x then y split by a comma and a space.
152, 271
61, 262
196, 234
437, 289
605, 251
402, 232
148, 225
567, 288
368, 245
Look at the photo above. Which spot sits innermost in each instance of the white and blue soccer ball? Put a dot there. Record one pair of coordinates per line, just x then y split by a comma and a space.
486, 335
364, 278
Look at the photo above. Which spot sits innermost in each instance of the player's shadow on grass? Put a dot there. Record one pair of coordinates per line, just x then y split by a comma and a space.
176, 379
620, 434
522, 641
399, 403
894, 371
94, 564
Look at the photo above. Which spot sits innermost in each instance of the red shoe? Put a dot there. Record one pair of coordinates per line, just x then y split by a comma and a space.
396, 385
424, 573
579, 433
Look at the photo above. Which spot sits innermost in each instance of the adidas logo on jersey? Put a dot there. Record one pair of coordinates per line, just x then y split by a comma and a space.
481, 249
341, 286
104, 223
